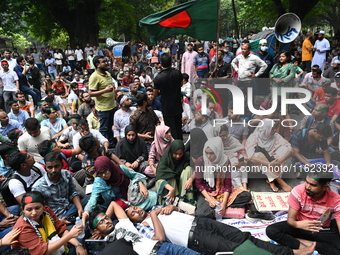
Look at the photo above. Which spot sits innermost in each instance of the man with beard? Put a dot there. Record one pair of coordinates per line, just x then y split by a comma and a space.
59, 189
331, 71
11, 61
312, 206
85, 109
201, 63
202, 121
122, 116
6, 124
144, 119
10, 84
101, 88
321, 46
188, 62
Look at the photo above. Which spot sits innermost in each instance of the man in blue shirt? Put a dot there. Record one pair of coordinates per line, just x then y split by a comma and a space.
201, 62
6, 124
17, 114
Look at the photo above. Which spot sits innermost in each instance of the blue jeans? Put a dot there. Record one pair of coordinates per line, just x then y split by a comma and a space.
42, 68
35, 93
106, 123
174, 249
73, 211
53, 74
15, 210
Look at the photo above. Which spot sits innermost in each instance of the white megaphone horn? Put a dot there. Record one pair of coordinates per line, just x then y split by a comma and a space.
111, 43
287, 27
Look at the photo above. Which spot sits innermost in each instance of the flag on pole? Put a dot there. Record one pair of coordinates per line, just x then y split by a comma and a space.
196, 18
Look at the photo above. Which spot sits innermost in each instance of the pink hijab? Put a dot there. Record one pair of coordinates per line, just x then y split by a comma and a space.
160, 144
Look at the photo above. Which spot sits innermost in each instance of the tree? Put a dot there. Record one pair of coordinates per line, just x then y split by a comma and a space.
330, 11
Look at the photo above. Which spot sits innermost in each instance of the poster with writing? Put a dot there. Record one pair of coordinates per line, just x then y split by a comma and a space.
269, 201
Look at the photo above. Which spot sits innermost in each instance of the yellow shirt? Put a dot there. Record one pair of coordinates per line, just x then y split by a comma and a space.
99, 81
306, 54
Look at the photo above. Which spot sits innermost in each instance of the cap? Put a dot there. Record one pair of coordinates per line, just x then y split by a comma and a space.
262, 41
190, 44
337, 61
321, 32
327, 82
337, 75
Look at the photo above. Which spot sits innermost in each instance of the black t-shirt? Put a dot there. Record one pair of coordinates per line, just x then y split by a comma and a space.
223, 70
169, 82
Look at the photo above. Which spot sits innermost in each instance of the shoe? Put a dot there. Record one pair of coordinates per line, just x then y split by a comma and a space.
257, 216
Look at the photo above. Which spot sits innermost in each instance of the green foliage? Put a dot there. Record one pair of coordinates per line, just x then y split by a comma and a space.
18, 41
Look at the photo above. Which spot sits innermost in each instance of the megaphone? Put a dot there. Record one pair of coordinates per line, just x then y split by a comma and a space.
110, 43
287, 27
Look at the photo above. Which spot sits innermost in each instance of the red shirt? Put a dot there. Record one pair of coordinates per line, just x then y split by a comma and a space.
334, 109
126, 81
310, 209
59, 87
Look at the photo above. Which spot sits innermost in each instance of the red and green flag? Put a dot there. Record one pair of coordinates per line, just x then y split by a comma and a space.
196, 18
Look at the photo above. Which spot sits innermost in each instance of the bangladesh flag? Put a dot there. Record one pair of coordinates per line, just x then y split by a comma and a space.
196, 18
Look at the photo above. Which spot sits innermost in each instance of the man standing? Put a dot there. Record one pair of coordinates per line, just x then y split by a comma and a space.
245, 65
201, 63
188, 62
51, 66
10, 83
321, 46
307, 52
311, 207
90, 63
169, 82
70, 57
101, 88
11, 61
79, 55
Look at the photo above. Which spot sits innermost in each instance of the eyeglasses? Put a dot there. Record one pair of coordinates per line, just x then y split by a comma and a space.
100, 174
102, 221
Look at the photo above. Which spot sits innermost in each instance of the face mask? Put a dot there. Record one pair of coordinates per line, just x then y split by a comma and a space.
167, 140
120, 72
264, 48
226, 51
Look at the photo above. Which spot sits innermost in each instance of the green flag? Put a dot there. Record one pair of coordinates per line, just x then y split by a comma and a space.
196, 18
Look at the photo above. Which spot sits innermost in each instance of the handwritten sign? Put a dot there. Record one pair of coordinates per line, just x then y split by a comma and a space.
269, 201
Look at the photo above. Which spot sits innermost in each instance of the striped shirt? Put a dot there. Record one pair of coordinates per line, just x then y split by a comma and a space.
310, 209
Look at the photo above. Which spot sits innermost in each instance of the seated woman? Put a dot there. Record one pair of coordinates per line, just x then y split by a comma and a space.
270, 150
112, 182
237, 156
132, 150
197, 140
213, 180
159, 146
174, 175
41, 230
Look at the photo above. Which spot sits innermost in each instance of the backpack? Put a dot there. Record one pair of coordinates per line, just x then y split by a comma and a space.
7, 194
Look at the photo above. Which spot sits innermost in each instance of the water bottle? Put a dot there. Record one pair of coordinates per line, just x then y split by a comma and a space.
80, 223
217, 209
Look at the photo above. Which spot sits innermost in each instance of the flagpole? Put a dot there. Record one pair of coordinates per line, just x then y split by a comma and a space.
218, 30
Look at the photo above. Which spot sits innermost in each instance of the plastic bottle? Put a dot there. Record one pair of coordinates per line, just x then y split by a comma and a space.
217, 209
80, 223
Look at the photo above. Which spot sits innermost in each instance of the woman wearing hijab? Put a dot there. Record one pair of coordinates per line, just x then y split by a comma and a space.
159, 146
132, 149
268, 149
237, 156
213, 180
174, 175
197, 141
112, 182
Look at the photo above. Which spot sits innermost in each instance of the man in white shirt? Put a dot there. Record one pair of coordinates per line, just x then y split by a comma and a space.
59, 60
245, 65
11, 61
321, 47
9, 83
35, 135
69, 53
27, 172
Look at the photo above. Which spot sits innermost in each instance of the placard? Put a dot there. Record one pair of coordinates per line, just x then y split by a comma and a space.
269, 201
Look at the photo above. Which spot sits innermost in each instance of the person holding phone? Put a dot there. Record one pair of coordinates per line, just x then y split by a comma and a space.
307, 216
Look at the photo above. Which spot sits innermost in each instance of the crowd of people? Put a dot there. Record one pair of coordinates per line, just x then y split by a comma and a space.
84, 134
